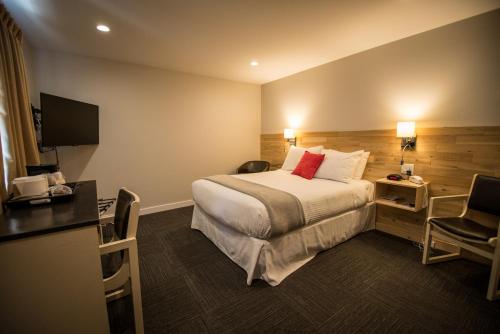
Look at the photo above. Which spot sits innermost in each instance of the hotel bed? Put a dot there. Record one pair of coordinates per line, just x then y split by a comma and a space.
240, 225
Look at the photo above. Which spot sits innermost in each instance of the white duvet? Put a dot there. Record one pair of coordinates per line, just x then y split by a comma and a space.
320, 199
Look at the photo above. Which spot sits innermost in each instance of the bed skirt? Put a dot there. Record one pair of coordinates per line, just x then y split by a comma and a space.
274, 259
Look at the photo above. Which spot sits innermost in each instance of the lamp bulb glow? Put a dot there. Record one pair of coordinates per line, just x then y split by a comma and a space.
103, 28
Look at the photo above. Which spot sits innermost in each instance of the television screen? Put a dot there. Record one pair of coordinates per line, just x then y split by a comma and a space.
68, 122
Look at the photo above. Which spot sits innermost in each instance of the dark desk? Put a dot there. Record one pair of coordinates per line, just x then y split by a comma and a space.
51, 277
48, 218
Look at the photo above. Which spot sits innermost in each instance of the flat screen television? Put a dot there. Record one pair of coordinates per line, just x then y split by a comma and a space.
68, 122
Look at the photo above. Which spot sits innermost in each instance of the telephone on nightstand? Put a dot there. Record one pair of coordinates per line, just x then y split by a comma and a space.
416, 179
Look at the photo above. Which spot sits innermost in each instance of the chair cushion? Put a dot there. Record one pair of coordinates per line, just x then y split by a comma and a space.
122, 213
111, 263
464, 227
484, 195
256, 166
108, 232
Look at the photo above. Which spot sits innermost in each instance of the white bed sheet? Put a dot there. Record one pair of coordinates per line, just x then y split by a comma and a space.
273, 260
320, 199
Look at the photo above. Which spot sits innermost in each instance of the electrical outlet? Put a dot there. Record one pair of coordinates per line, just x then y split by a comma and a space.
407, 167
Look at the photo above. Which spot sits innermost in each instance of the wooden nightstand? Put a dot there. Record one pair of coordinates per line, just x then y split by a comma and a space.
402, 194
399, 218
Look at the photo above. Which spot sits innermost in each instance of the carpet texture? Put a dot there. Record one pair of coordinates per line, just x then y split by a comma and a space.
373, 283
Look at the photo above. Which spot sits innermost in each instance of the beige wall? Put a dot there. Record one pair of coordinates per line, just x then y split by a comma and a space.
449, 76
159, 130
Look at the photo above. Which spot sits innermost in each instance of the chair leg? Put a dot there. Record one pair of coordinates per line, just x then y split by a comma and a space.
427, 259
444, 258
136, 289
427, 244
493, 292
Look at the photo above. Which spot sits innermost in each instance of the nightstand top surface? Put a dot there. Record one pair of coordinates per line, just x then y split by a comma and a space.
402, 183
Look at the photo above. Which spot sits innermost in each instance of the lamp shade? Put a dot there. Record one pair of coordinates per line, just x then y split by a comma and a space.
289, 133
405, 129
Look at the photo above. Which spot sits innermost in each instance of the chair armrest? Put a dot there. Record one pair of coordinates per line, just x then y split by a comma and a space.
440, 199
450, 198
495, 241
116, 246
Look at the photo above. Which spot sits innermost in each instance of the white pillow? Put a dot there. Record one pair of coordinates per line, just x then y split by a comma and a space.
360, 169
295, 154
339, 166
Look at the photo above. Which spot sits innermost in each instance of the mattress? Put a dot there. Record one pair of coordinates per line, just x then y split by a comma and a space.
320, 199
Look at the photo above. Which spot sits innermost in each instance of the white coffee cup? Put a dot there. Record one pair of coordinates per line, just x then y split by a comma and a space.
31, 185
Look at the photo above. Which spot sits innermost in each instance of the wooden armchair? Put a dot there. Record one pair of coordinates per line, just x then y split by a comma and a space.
476, 229
121, 250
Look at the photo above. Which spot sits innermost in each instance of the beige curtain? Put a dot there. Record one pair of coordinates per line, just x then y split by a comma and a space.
18, 122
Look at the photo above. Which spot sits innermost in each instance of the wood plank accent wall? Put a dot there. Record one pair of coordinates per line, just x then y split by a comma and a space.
447, 157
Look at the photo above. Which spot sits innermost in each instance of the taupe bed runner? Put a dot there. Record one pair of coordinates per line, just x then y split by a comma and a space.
284, 209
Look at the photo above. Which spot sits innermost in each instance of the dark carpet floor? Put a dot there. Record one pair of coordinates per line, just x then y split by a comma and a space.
373, 283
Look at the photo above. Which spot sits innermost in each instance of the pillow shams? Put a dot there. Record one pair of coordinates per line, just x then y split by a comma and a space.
360, 169
339, 166
295, 154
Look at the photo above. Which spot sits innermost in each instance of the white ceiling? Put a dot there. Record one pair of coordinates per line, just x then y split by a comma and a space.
219, 38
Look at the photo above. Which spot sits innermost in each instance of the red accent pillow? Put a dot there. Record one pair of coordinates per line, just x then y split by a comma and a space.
308, 165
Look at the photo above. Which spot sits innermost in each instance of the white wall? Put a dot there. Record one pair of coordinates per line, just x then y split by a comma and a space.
159, 130
449, 76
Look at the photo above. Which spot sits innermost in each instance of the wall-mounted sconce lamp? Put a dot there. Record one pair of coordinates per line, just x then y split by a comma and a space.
289, 135
406, 131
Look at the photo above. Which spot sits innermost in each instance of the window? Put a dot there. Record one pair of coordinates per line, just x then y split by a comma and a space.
7, 158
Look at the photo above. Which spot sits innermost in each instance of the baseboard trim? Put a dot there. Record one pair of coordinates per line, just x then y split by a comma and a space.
159, 208
166, 207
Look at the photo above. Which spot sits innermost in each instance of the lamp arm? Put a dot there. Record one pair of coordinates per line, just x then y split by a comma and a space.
403, 152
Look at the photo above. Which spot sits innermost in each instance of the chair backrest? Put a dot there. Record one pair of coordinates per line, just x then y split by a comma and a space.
255, 166
126, 214
485, 195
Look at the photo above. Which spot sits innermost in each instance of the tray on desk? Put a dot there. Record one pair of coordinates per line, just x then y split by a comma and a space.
25, 202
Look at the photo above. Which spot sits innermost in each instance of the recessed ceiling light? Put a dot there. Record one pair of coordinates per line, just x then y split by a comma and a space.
254, 63
103, 28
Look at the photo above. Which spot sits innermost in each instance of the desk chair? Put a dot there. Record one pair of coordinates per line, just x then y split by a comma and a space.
476, 229
120, 249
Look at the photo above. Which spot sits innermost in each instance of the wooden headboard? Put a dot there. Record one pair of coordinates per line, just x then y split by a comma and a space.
447, 157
